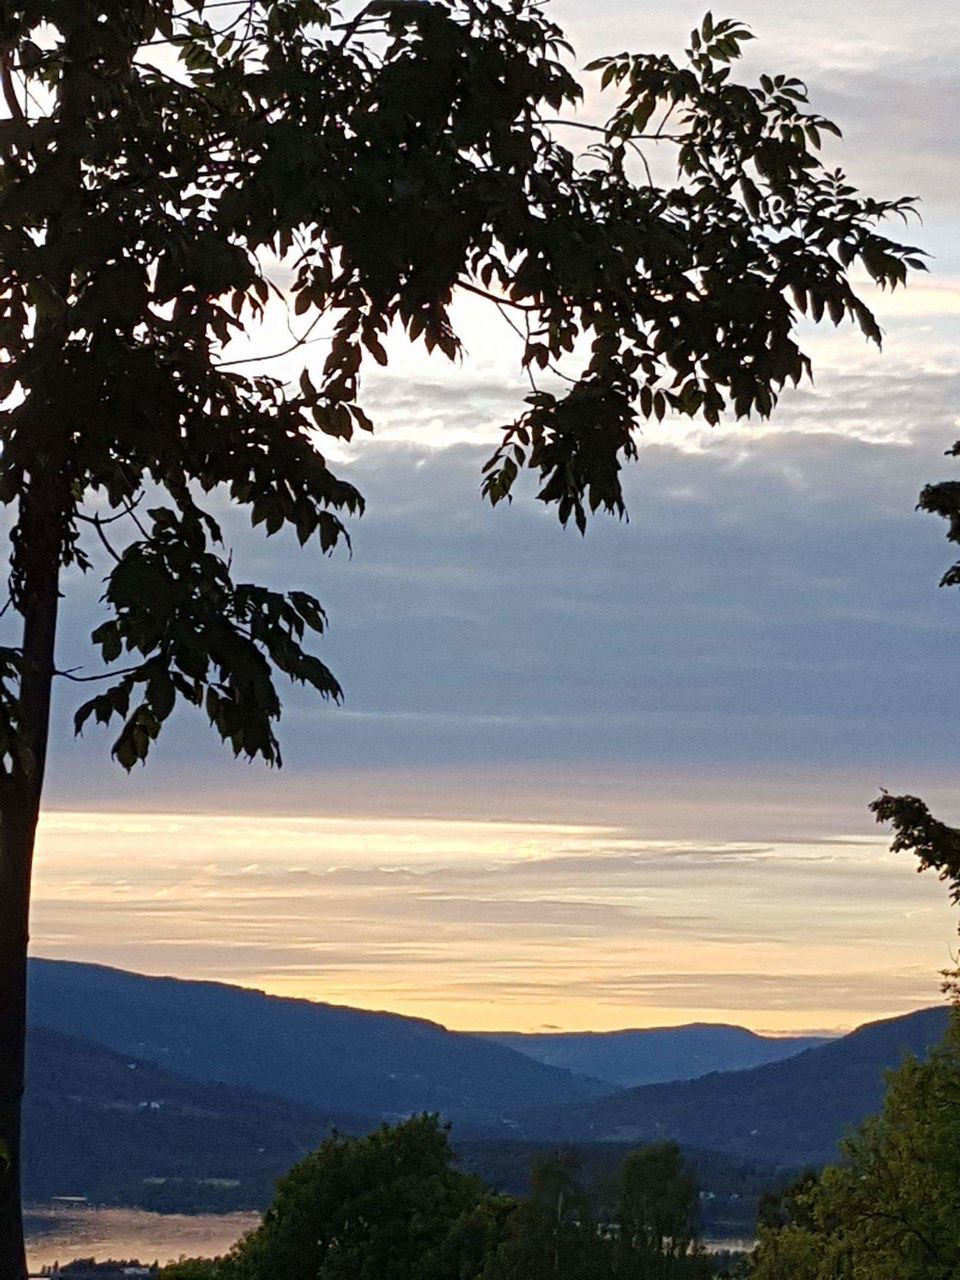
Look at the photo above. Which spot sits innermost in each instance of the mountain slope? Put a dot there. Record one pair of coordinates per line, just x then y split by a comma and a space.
654, 1055
122, 1131
790, 1112
319, 1055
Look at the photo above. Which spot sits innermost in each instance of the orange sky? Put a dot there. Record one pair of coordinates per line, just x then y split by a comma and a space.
631, 919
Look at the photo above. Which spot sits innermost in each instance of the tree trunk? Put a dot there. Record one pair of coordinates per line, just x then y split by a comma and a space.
38, 553
38, 548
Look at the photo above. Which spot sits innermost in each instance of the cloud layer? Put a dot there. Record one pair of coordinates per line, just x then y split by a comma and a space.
499, 924
688, 708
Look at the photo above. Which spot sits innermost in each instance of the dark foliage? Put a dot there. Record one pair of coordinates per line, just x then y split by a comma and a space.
365, 166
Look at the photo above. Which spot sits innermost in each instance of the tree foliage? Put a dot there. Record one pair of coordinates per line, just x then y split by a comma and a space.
393, 1206
551, 1234
658, 1215
915, 829
194, 1269
181, 172
173, 169
388, 1205
889, 1210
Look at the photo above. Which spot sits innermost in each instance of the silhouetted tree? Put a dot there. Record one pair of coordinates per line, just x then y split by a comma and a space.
195, 1269
552, 1234
168, 166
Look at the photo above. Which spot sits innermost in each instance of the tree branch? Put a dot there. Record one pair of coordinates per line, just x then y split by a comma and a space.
492, 297
9, 91
106, 675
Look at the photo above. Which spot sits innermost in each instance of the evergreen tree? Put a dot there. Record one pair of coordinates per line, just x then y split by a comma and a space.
658, 1217
552, 1233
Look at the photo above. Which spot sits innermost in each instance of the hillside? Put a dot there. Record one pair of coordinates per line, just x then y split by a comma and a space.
791, 1112
654, 1055
322, 1056
121, 1131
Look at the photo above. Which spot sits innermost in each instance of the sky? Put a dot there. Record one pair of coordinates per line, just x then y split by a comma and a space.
612, 781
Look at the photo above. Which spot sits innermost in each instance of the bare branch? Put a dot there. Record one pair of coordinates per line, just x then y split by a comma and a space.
106, 675
492, 297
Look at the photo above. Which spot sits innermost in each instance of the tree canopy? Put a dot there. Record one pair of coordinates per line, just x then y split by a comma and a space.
390, 1204
551, 1234
182, 172
658, 1213
888, 1210
393, 1206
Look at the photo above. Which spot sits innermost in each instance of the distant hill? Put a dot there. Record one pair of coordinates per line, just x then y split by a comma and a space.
176, 1095
653, 1055
122, 1131
325, 1057
791, 1112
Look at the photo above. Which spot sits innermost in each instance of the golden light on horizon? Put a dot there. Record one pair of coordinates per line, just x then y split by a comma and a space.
498, 924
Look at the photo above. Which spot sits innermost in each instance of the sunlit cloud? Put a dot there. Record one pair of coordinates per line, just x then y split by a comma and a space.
486, 924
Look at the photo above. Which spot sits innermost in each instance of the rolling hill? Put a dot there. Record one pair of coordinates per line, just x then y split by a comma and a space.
792, 1112
168, 1094
325, 1057
655, 1055
121, 1131
332, 1062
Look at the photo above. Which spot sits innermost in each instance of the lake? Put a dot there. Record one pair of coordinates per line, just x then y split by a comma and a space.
60, 1235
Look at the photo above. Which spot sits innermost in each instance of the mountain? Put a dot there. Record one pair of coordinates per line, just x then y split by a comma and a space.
791, 1112
121, 1131
325, 1057
653, 1055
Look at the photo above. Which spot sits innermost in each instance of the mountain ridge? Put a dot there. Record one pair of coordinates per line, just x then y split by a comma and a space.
121, 1131
793, 1111
654, 1055
318, 1055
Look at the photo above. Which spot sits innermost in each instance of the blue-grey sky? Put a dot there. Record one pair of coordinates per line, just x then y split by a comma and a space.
748, 659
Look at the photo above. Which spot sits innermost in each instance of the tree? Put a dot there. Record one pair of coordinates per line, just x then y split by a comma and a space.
915, 829
551, 1234
658, 1216
889, 1209
390, 1204
195, 1269
169, 167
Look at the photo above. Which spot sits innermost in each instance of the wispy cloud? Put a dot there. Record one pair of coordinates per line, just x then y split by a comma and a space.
487, 923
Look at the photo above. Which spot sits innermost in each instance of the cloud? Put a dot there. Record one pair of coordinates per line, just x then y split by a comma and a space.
691, 705
489, 923
772, 599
